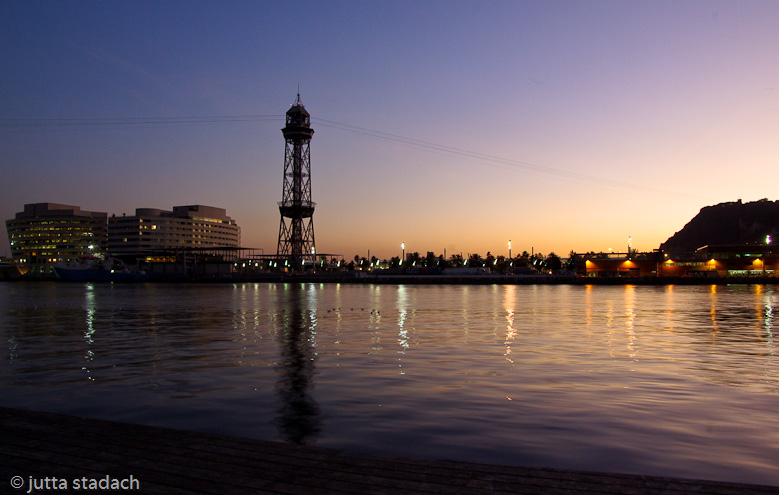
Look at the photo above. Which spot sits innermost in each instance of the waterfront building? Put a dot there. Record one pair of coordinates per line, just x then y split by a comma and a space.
743, 260
736, 260
614, 264
153, 231
48, 233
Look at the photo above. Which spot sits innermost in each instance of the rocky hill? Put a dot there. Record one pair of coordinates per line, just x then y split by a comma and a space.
727, 223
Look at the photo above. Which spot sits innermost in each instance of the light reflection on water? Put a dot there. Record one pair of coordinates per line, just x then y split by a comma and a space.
670, 380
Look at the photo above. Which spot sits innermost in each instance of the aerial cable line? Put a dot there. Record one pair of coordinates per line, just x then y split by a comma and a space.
107, 123
504, 163
26, 125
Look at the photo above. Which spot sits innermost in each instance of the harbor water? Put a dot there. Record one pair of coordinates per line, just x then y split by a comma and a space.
656, 380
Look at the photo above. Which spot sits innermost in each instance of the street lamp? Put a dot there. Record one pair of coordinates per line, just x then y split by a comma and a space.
403, 247
509, 249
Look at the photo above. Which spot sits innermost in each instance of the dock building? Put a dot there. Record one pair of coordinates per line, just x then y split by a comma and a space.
48, 233
711, 261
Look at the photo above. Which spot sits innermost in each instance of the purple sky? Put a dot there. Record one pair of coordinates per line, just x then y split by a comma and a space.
445, 125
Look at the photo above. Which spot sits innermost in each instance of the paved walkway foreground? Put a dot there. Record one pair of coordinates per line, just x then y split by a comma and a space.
57, 451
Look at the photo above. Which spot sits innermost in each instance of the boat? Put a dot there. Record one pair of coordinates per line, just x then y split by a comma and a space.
9, 271
93, 269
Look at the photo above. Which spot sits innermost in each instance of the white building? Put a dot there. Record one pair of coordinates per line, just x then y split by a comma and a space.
152, 231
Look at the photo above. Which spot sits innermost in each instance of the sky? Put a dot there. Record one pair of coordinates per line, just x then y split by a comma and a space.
445, 125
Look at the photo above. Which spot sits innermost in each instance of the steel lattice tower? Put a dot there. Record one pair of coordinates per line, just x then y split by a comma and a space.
296, 230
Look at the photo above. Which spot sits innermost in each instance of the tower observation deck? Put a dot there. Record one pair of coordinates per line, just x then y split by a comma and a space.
296, 230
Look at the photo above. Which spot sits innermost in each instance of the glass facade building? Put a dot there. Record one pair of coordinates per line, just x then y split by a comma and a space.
47, 233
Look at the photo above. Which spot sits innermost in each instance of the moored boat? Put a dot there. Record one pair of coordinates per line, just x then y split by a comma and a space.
93, 270
9, 271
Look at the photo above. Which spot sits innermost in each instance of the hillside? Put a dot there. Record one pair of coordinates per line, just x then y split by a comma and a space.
727, 223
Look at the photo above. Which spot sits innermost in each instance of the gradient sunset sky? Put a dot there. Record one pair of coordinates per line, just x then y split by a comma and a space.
561, 125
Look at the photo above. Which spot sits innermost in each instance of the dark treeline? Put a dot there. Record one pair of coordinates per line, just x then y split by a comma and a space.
550, 263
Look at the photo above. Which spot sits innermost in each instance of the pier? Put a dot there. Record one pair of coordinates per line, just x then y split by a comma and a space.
64, 451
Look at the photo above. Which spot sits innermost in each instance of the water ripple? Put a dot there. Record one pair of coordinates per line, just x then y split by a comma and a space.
676, 380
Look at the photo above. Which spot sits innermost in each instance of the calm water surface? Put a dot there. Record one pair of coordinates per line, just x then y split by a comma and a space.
676, 381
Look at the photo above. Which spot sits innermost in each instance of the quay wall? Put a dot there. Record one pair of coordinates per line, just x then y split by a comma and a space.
352, 278
505, 280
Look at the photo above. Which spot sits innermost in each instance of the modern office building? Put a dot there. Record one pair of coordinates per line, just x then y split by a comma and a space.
47, 233
152, 231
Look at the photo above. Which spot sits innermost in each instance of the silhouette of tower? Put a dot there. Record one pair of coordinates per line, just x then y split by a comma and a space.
296, 230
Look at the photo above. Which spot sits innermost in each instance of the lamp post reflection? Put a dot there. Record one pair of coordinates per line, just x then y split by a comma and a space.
299, 419
90, 307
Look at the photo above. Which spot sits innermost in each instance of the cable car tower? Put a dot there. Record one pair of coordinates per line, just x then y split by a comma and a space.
296, 231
